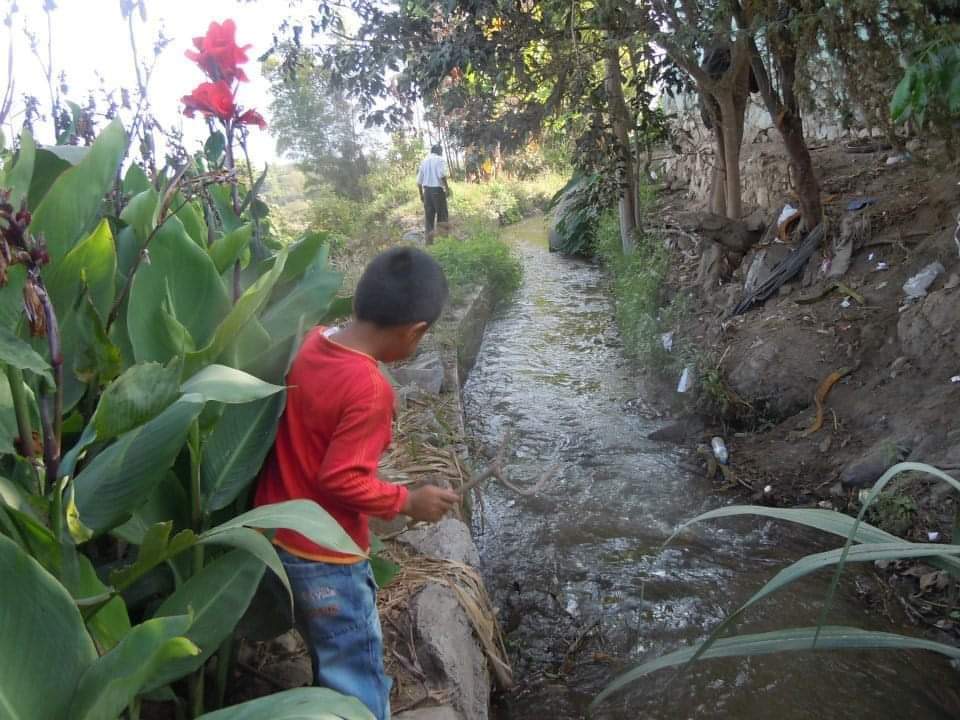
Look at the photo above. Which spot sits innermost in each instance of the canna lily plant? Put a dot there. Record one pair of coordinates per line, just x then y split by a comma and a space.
143, 347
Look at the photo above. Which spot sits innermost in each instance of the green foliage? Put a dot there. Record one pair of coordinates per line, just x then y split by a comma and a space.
481, 258
156, 422
930, 90
872, 544
577, 210
894, 513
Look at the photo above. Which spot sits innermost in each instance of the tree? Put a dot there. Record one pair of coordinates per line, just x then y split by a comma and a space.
317, 125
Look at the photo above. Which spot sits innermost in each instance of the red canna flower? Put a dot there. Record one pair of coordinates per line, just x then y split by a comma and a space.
219, 55
252, 117
212, 99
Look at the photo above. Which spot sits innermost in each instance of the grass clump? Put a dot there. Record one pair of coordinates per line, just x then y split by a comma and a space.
483, 257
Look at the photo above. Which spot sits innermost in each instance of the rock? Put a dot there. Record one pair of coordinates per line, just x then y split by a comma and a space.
448, 652
711, 267
448, 539
425, 372
414, 236
441, 712
929, 332
866, 470
914, 145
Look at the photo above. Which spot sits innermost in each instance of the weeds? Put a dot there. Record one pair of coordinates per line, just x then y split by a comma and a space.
481, 257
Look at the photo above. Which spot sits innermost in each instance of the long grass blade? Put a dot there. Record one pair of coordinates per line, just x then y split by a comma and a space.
789, 640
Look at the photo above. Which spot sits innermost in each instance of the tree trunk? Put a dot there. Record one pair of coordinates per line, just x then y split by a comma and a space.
718, 182
621, 120
788, 119
732, 113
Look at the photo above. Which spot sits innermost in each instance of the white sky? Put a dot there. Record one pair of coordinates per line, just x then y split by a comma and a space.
91, 36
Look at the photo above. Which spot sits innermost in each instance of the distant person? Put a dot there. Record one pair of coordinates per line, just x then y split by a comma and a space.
434, 191
336, 425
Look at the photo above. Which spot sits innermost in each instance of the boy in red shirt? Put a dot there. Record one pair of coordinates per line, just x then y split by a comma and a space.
336, 425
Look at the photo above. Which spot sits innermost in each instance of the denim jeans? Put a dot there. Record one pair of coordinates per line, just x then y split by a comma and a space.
337, 615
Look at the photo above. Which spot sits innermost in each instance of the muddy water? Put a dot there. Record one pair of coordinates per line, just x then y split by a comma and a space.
577, 571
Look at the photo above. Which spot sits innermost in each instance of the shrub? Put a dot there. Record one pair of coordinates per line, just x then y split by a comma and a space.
482, 257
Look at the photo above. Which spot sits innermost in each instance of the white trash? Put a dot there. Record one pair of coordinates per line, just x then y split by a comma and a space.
916, 286
788, 212
882, 266
666, 340
933, 536
955, 379
720, 450
686, 380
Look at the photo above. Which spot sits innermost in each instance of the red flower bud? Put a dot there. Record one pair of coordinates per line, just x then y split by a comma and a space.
218, 54
252, 117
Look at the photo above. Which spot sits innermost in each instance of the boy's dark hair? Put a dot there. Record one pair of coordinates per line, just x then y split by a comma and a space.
401, 286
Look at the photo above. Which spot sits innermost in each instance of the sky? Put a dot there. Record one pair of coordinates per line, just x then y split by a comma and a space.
90, 37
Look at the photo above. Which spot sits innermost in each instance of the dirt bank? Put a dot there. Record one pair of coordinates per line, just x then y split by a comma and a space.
882, 368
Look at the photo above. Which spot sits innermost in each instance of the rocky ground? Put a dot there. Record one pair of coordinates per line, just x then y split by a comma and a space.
842, 337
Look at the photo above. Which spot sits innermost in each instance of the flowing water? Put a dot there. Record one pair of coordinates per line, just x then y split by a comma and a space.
578, 573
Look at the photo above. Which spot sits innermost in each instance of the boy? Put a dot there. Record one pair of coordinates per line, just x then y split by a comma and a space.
337, 423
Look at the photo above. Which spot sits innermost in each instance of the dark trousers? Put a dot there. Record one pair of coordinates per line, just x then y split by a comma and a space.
434, 209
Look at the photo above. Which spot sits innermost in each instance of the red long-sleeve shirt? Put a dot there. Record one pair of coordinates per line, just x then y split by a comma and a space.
336, 425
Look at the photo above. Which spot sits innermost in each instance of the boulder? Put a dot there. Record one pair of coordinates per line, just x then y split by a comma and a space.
447, 651
867, 469
426, 372
929, 332
734, 235
448, 539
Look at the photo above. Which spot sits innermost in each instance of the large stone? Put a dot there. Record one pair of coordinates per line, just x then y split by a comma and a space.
867, 469
448, 652
441, 712
929, 333
425, 372
732, 234
448, 539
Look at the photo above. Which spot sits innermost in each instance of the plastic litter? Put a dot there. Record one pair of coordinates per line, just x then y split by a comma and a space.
863, 495
870, 257
719, 448
860, 203
882, 266
788, 212
686, 380
666, 340
955, 379
916, 286
846, 303
768, 489
933, 536
897, 159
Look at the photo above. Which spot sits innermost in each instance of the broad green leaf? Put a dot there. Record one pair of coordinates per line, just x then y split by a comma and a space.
214, 148
302, 516
227, 248
184, 273
268, 360
168, 501
229, 385
791, 640
47, 167
310, 300
298, 704
138, 215
217, 596
140, 394
111, 622
13, 496
122, 476
73, 202
9, 431
11, 297
18, 179
222, 201
312, 248
256, 544
17, 353
72, 154
135, 180
192, 220
41, 631
243, 311
114, 680
252, 342
235, 451
340, 308
156, 547
36, 539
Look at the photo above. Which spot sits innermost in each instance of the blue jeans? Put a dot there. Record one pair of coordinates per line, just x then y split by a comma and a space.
337, 615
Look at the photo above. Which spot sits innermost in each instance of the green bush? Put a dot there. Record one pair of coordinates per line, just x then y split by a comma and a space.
482, 256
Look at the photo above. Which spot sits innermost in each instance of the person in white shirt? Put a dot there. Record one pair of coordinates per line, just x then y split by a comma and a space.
434, 191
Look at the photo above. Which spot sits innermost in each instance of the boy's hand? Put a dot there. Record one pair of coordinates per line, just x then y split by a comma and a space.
429, 503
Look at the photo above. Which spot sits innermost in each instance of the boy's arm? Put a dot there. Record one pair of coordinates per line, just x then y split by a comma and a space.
349, 468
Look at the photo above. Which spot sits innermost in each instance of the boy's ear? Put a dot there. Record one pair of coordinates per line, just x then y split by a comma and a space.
418, 330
